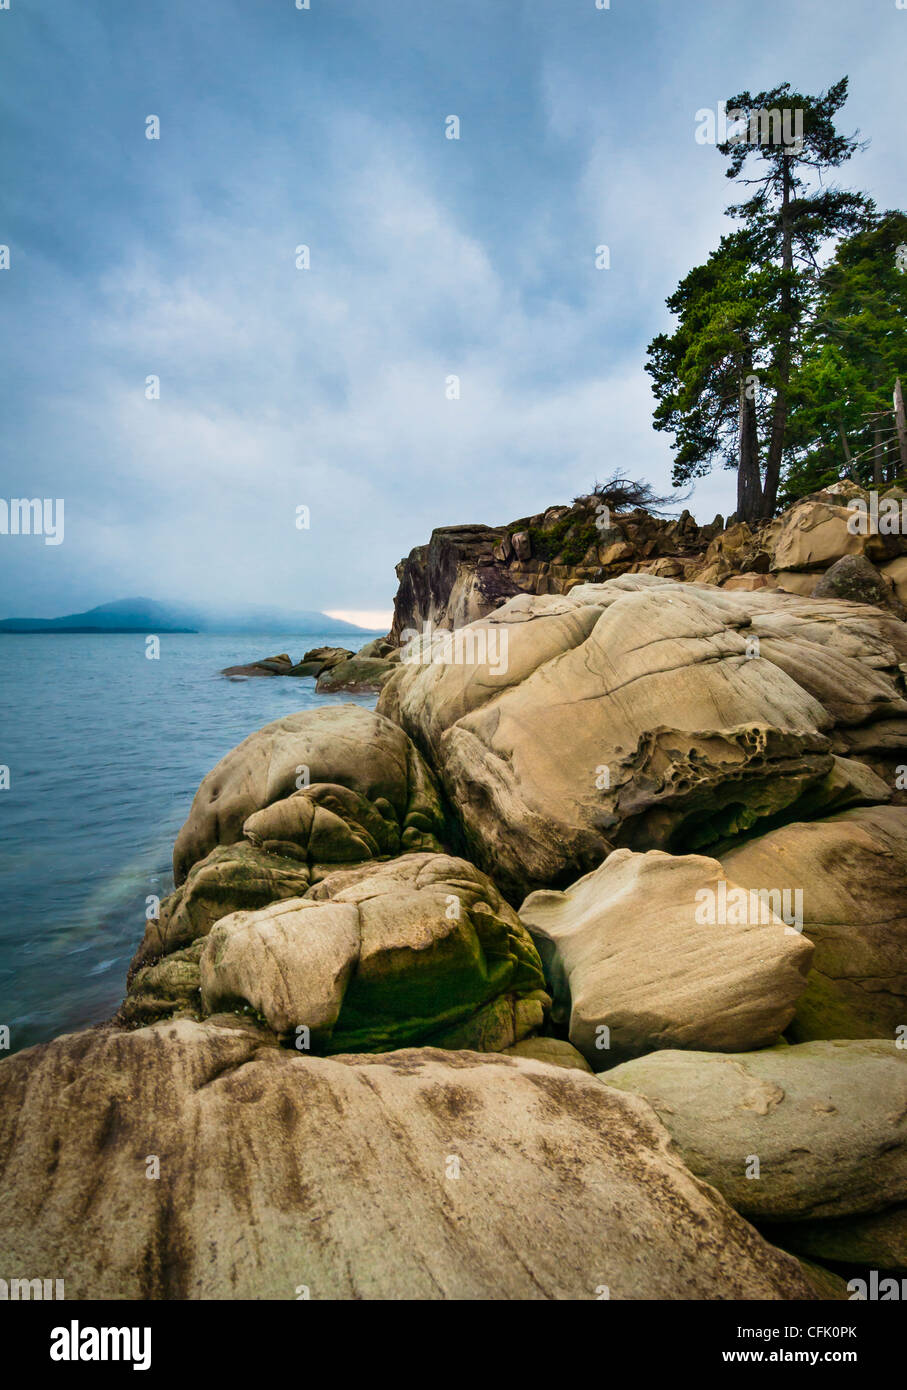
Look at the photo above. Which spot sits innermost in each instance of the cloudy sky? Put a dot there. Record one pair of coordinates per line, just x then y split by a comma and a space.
326, 388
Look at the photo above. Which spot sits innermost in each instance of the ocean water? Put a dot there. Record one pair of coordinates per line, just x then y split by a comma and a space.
106, 750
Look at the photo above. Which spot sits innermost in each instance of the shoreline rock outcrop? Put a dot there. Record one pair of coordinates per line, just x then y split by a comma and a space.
601, 910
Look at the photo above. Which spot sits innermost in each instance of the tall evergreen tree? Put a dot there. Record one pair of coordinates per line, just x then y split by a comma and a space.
789, 221
723, 380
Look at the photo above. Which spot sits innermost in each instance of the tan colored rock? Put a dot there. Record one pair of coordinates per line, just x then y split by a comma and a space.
826, 1121
291, 962
800, 582
522, 545
284, 1176
641, 713
896, 574
341, 744
813, 535
641, 953
550, 1050
419, 948
748, 583
851, 870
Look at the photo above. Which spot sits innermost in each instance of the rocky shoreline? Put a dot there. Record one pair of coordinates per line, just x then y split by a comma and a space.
579, 965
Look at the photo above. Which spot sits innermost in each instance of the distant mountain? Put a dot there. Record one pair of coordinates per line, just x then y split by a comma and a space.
145, 615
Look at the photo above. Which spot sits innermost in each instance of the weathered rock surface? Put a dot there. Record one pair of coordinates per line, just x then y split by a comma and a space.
851, 870
813, 535
380, 957
854, 578
551, 1050
827, 1122
639, 962
647, 714
282, 1175
311, 758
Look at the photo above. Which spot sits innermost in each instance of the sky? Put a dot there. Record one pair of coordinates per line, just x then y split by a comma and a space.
307, 432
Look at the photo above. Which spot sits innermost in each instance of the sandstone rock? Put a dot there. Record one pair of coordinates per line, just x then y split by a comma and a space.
641, 713
522, 545
634, 955
327, 656
343, 745
437, 945
550, 1050
279, 1171
291, 962
800, 582
270, 666
421, 947
845, 489
895, 572
167, 988
747, 583
814, 535
827, 1284
826, 1121
380, 647
851, 870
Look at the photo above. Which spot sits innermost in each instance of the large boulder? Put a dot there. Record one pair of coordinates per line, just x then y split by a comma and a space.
641, 954
796, 1133
189, 1161
642, 713
851, 873
814, 534
380, 957
313, 757
856, 579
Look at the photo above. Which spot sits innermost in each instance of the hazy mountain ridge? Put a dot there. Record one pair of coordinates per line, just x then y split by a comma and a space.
146, 615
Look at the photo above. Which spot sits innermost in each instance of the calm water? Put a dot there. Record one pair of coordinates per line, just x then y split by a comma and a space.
105, 750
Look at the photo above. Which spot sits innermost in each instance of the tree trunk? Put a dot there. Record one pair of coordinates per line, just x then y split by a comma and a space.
782, 358
900, 419
749, 486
